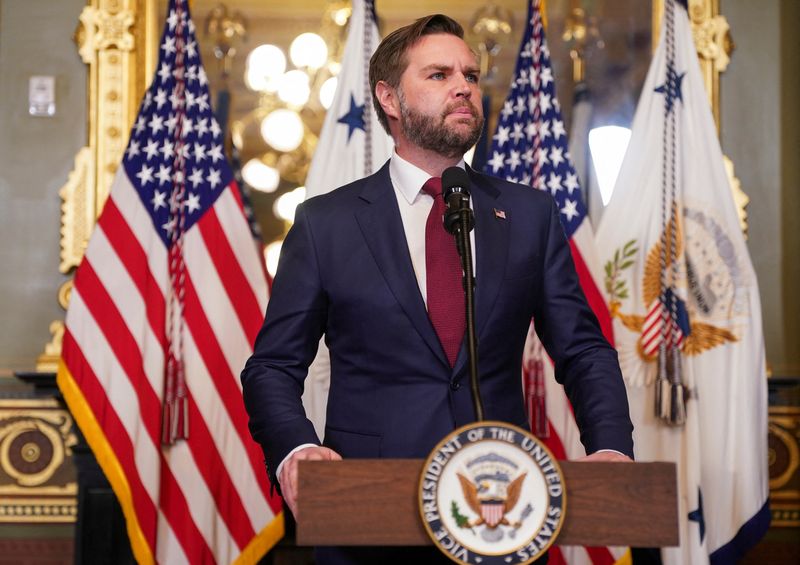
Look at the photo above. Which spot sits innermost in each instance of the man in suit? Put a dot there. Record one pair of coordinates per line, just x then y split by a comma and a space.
361, 266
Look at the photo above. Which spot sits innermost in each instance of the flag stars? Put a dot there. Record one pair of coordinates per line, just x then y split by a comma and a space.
133, 149
201, 76
160, 98
201, 127
152, 149
193, 202
159, 200
558, 129
215, 153
216, 131
513, 160
501, 136
554, 183
172, 122
172, 20
169, 44
145, 175
196, 177
544, 103
199, 151
544, 129
556, 156
518, 134
214, 178
508, 109
570, 209
571, 182
496, 162
164, 72
141, 123
163, 175
546, 76
156, 124
168, 149
519, 107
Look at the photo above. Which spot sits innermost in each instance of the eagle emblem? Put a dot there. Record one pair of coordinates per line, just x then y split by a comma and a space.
684, 330
491, 493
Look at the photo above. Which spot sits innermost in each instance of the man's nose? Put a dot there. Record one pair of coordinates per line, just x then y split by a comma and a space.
463, 86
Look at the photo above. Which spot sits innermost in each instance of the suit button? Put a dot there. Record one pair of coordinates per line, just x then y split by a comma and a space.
455, 386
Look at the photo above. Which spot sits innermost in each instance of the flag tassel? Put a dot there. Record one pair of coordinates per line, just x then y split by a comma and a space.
670, 392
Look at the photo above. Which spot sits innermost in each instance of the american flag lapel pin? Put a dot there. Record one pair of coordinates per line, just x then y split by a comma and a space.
499, 214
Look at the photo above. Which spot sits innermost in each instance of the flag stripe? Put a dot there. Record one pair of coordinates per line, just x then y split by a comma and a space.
593, 295
130, 252
237, 287
229, 394
125, 349
227, 442
115, 432
229, 210
215, 306
114, 280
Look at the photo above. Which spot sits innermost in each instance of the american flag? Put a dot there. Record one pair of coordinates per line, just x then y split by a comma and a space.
530, 147
165, 306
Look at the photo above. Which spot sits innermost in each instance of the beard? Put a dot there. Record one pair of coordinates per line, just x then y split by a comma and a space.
431, 132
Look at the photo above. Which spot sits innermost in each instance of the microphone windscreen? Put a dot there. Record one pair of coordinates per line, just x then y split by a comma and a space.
454, 179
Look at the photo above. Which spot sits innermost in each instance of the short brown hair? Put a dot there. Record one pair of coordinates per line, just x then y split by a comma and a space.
389, 61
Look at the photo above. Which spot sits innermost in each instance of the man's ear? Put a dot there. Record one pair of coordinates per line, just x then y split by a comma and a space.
387, 98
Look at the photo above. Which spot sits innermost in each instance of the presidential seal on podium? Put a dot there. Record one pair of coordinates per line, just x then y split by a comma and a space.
491, 493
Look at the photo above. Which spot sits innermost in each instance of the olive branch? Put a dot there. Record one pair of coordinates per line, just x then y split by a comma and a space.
622, 260
461, 520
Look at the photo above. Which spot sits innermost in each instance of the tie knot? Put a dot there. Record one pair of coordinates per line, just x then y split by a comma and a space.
433, 187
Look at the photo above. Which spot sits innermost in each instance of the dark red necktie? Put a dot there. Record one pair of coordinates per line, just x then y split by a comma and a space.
443, 272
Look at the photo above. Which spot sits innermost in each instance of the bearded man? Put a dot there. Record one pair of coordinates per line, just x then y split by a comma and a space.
369, 266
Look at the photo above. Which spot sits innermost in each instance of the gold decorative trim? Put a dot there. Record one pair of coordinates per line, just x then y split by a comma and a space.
77, 210
37, 479
47, 362
784, 466
740, 199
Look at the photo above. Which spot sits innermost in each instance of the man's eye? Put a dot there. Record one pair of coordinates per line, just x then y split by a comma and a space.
472, 78
437, 76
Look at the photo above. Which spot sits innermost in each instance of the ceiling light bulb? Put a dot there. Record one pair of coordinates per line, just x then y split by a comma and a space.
272, 254
265, 64
286, 204
260, 176
283, 130
327, 91
293, 88
308, 50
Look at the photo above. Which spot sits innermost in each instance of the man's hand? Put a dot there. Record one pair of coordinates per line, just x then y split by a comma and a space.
288, 478
611, 456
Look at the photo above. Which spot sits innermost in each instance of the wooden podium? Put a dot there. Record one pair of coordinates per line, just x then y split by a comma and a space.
374, 502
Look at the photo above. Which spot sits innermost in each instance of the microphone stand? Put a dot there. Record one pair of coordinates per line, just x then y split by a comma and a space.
463, 225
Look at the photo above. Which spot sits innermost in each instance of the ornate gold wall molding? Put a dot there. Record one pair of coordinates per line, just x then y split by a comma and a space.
37, 478
784, 465
117, 40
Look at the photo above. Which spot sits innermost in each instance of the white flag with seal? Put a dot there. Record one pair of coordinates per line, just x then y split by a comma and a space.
687, 316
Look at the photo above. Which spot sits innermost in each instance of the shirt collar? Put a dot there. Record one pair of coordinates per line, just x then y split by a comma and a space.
407, 178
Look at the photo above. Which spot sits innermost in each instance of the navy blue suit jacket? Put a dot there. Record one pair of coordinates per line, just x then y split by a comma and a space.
345, 271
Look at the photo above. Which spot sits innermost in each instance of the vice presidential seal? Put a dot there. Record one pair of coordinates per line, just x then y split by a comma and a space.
490, 494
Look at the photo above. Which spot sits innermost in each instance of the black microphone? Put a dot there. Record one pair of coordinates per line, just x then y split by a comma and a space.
455, 191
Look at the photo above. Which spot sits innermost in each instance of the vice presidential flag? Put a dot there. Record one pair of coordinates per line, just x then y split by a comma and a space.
530, 147
687, 317
166, 304
352, 145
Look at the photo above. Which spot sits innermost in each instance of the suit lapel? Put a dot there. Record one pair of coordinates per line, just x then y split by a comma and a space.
491, 253
382, 229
